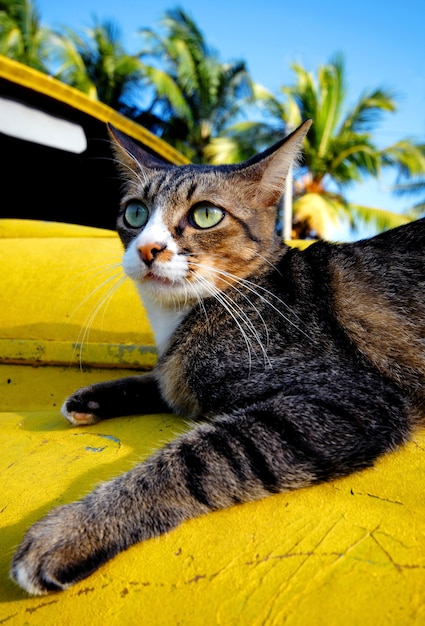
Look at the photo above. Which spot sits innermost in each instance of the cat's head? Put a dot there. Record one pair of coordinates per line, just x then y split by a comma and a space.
192, 229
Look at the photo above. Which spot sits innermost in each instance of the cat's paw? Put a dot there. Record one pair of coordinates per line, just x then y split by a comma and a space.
80, 409
55, 553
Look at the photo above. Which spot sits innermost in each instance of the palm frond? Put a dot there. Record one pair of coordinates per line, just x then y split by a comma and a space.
407, 156
241, 141
379, 219
321, 212
417, 211
411, 187
368, 111
166, 87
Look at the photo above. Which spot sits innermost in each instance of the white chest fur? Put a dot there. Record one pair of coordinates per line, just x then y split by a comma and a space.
163, 320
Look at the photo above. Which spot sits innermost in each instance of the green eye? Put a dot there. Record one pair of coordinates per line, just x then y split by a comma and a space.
206, 216
136, 214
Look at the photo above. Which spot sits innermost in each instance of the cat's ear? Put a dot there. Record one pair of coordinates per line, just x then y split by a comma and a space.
269, 169
128, 151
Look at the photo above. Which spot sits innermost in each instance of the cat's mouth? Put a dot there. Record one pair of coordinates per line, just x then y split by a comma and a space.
162, 280
173, 292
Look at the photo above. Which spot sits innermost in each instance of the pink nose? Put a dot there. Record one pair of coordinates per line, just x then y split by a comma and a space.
149, 251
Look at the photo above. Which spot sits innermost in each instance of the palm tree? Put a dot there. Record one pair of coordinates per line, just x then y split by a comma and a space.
97, 64
411, 182
414, 186
339, 150
196, 96
22, 37
245, 138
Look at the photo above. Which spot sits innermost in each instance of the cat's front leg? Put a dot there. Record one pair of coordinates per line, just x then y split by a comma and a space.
125, 396
232, 460
285, 443
72, 541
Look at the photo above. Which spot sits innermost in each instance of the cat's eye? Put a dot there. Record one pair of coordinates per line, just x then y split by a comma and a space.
136, 214
206, 216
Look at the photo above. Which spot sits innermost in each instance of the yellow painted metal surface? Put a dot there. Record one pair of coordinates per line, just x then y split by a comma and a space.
65, 299
345, 553
350, 552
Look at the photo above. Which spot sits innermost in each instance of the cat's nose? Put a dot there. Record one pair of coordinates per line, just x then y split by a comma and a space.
149, 251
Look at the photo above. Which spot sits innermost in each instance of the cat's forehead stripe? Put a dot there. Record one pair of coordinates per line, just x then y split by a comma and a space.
162, 183
182, 179
147, 189
191, 190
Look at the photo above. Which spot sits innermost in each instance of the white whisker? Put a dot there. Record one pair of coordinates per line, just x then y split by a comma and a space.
84, 333
233, 281
244, 315
138, 171
268, 262
218, 295
95, 290
238, 313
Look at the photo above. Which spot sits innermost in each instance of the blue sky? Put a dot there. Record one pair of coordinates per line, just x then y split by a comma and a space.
383, 44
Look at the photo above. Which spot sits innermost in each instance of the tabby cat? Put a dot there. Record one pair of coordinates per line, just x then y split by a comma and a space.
298, 366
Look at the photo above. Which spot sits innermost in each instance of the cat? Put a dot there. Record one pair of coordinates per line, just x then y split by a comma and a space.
296, 367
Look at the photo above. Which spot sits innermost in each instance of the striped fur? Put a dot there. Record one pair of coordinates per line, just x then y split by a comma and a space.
300, 367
